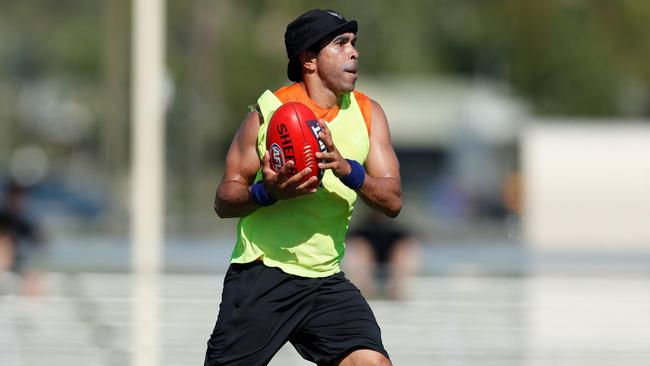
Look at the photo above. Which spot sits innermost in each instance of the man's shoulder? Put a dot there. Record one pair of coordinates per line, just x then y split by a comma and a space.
359, 95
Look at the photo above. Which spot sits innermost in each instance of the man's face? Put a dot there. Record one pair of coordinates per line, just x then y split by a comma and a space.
338, 63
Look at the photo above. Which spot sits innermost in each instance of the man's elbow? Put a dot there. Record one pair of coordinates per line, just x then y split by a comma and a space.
219, 211
220, 207
394, 208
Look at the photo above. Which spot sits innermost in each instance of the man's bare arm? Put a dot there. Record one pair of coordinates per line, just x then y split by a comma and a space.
242, 163
381, 187
233, 198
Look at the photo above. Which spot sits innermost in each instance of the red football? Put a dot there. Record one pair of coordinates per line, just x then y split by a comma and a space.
292, 134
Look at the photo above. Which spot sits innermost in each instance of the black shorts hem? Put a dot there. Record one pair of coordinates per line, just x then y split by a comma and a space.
372, 347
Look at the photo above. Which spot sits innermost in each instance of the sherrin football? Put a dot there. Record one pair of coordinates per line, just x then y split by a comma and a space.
292, 134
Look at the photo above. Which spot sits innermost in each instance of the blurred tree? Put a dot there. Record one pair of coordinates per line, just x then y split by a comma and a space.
568, 57
114, 135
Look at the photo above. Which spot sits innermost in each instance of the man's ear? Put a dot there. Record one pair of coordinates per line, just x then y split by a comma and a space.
308, 61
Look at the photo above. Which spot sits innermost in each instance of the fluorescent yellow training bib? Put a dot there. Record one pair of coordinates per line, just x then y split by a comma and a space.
305, 236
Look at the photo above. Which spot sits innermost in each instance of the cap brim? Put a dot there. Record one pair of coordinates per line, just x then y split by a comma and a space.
350, 26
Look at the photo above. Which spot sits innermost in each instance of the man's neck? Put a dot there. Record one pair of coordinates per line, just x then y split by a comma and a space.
321, 95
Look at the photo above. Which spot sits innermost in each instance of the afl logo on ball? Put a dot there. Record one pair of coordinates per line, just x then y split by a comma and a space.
277, 157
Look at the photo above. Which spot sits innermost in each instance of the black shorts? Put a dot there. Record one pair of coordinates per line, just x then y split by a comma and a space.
262, 308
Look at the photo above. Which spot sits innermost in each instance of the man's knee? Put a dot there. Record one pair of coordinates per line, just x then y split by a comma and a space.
379, 360
365, 357
375, 359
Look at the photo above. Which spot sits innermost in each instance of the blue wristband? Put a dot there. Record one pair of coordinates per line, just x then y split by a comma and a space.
260, 196
355, 179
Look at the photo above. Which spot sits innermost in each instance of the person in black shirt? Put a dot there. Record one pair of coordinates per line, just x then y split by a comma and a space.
380, 256
22, 243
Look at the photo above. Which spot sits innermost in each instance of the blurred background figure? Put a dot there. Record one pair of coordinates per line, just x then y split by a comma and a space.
380, 256
21, 241
6, 258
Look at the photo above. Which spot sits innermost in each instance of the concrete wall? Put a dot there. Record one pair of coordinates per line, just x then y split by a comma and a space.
587, 184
